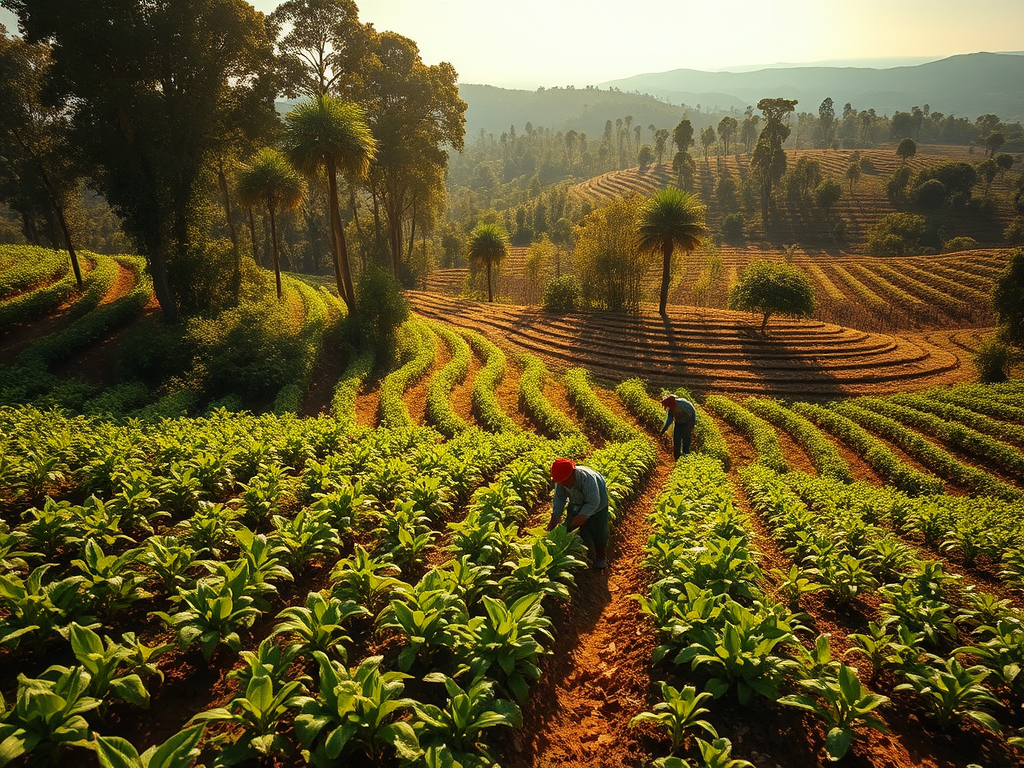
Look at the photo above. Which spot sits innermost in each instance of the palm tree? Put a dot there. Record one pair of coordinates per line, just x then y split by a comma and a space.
272, 181
331, 134
668, 219
488, 245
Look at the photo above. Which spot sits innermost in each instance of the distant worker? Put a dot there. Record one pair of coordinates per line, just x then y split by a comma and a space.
584, 491
684, 414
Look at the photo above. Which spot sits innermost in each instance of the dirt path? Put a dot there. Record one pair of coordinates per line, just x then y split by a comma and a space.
598, 677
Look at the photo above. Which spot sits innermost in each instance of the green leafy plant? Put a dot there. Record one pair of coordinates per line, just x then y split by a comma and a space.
258, 713
424, 618
355, 709
843, 704
679, 713
955, 693
46, 718
503, 642
216, 609
37, 609
319, 625
179, 751
453, 734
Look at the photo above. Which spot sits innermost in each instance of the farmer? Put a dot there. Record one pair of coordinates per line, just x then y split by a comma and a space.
685, 416
584, 491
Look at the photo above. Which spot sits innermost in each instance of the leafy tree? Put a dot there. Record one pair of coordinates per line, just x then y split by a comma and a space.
488, 245
748, 131
537, 267
804, 178
827, 194
415, 113
906, 149
150, 86
661, 137
931, 194
768, 163
988, 171
1004, 162
37, 151
853, 170
708, 137
1008, 298
994, 141
271, 180
606, 259
772, 288
826, 122
683, 166
323, 46
669, 219
682, 136
332, 135
645, 157
727, 128
957, 178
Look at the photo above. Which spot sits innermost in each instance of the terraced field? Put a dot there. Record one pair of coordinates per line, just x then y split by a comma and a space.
862, 207
711, 350
873, 294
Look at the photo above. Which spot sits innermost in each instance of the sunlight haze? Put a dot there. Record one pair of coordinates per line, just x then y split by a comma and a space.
561, 42
570, 42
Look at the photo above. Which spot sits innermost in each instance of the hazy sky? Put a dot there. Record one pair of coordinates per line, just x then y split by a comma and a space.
528, 43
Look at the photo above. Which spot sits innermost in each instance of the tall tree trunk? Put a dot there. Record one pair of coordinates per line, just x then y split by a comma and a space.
490, 296
161, 286
71, 246
342, 272
222, 179
666, 270
273, 240
355, 218
412, 228
252, 234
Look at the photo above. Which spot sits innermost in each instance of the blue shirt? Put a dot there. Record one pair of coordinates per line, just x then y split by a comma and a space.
683, 413
588, 495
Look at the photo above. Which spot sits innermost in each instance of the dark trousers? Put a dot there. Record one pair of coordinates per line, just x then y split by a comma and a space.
681, 434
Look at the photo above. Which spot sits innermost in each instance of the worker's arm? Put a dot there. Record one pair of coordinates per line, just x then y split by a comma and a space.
558, 502
668, 420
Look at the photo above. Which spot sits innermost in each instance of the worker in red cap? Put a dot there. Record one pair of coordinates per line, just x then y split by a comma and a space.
585, 493
683, 413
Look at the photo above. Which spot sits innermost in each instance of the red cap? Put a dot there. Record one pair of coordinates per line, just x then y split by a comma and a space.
669, 401
562, 469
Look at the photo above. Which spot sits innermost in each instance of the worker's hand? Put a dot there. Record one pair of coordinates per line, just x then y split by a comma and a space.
553, 523
577, 522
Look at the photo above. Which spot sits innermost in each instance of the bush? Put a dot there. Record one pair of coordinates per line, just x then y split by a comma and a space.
250, 350
992, 359
562, 294
151, 351
897, 234
841, 228
1014, 233
732, 226
204, 280
382, 310
959, 244
931, 194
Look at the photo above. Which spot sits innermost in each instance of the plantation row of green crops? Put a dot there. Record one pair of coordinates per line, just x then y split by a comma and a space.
215, 529
952, 647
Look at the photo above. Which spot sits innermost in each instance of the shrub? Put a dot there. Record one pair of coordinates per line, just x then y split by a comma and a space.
992, 359
1014, 233
382, 310
931, 194
897, 234
249, 350
562, 294
732, 226
959, 244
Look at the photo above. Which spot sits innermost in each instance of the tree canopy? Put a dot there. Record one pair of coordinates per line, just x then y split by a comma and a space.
772, 288
1008, 298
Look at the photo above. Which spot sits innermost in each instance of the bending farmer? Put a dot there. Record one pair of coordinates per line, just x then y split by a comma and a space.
583, 490
684, 415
